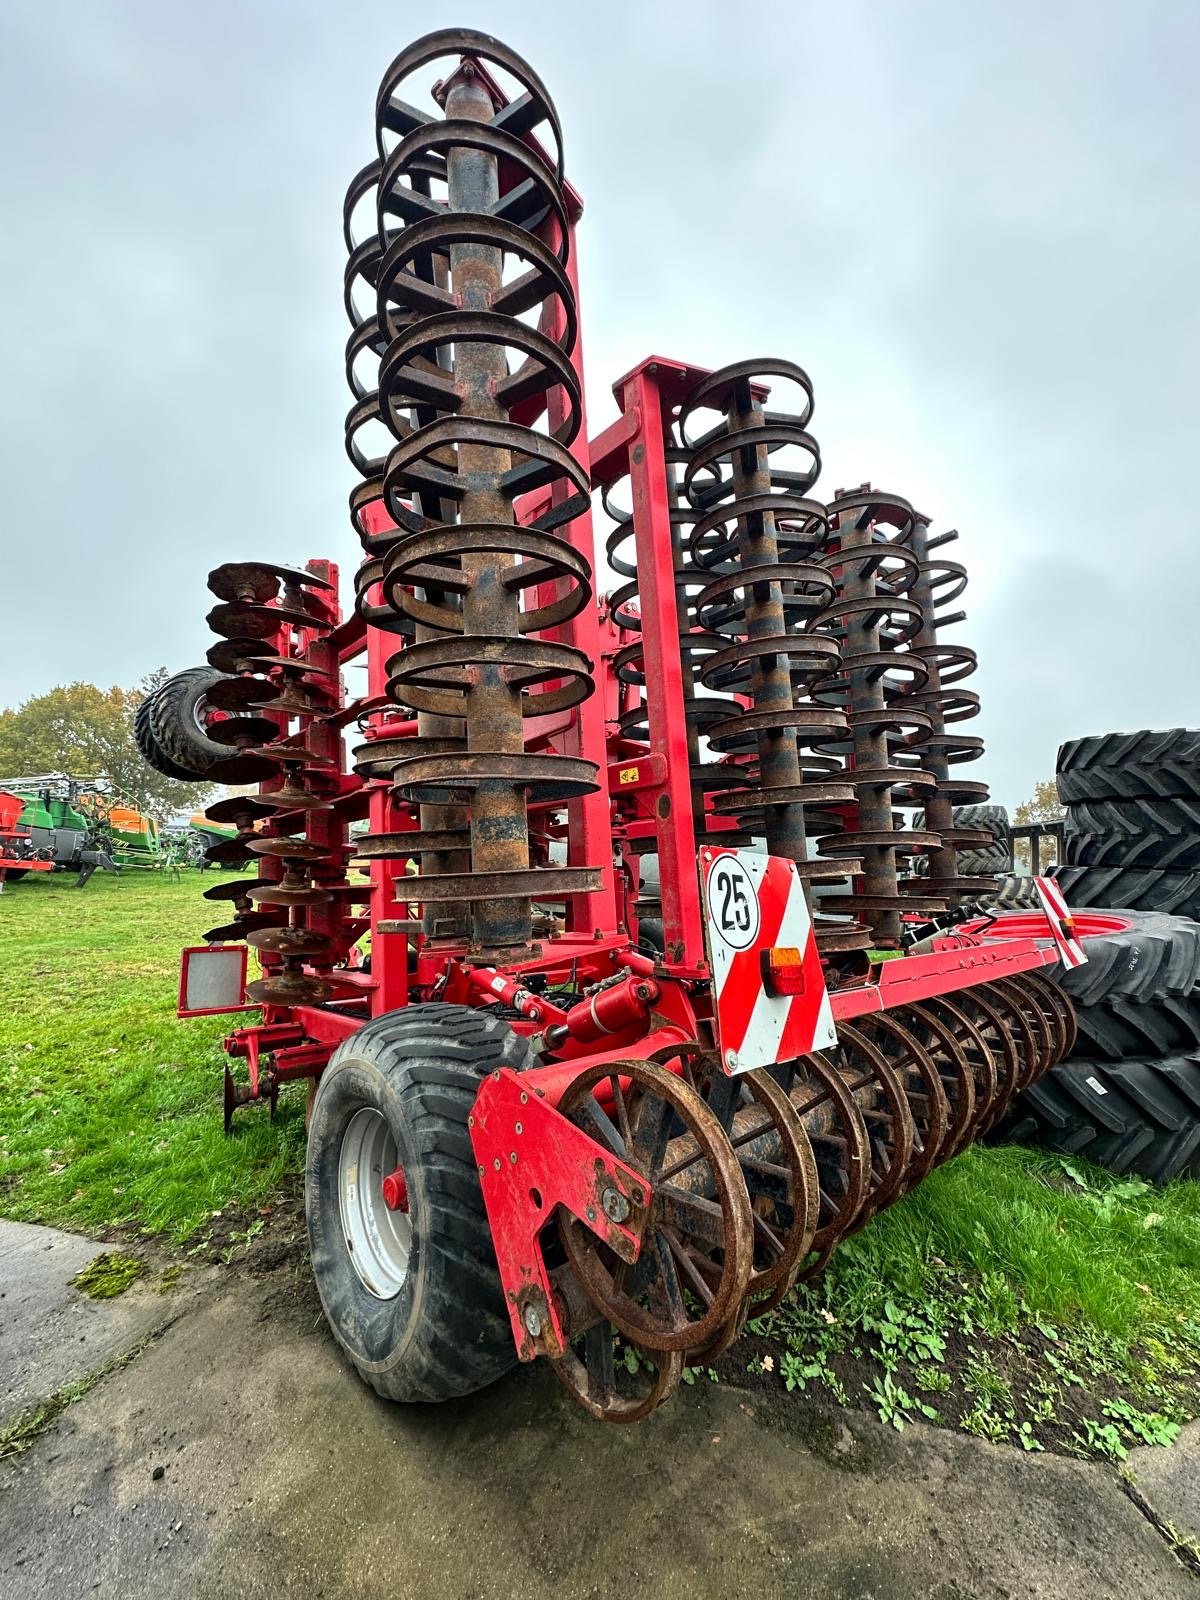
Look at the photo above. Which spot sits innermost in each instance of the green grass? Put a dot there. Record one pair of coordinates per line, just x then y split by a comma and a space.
1025, 1298
110, 1108
1119, 1255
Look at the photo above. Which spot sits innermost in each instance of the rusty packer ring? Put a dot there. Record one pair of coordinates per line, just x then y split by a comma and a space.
780, 1173
698, 1234
914, 1067
590, 1375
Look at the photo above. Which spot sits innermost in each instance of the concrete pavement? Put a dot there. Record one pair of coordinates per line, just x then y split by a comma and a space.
50, 1334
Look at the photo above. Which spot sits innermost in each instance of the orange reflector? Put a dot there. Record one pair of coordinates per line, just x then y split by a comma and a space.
783, 969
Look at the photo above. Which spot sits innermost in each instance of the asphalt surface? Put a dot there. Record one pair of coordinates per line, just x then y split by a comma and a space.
282, 1475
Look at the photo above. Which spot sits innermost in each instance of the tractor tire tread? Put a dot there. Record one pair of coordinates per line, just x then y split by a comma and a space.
1133, 833
1013, 892
1167, 1026
434, 1058
985, 860
148, 746
171, 720
1157, 956
1118, 766
1131, 888
1135, 1116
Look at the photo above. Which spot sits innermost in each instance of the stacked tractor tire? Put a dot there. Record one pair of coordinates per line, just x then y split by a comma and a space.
992, 857
1131, 836
1129, 1096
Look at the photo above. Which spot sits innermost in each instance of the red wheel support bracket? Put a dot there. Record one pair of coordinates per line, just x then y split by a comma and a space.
530, 1160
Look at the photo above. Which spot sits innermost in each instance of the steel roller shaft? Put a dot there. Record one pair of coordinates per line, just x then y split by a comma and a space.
939, 584
458, 200
757, 540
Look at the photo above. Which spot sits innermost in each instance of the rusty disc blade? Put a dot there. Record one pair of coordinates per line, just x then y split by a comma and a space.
247, 922
236, 655
289, 989
282, 894
296, 757
243, 580
244, 694
234, 889
293, 849
236, 807
240, 733
259, 580
241, 617
296, 577
294, 664
293, 798
291, 942
293, 700
248, 767
228, 853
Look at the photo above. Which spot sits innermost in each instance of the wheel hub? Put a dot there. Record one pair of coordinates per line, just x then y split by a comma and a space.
378, 1235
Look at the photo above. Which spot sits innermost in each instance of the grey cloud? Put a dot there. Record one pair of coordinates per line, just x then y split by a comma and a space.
976, 226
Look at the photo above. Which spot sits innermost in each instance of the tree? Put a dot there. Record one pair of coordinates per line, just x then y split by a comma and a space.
87, 732
1043, 806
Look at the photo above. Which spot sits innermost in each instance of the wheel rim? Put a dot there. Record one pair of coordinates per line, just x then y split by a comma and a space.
378, 1239
204, 715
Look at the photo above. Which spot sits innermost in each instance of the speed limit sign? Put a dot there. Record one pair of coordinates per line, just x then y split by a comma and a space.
769, 997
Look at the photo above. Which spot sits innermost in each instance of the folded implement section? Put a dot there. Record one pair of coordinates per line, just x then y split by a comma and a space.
652, 1017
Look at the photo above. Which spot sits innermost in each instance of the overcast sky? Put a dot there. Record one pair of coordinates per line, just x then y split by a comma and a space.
976, 227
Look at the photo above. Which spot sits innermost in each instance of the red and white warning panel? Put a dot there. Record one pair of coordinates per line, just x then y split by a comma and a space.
1062, 926
769, 998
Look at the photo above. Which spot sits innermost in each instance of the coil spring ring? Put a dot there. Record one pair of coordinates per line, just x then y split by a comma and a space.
754, 547
459, 378
941, 583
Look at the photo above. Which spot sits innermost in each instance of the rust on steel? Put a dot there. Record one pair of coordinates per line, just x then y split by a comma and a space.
461, 585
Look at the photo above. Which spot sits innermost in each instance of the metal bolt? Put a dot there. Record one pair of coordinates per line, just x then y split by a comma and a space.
616, 1207
731, 1058
591, 1213
532, 1319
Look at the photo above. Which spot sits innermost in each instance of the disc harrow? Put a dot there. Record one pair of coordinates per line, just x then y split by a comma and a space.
659, 1124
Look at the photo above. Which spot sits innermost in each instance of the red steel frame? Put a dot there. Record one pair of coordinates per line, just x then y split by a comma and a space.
642, 791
